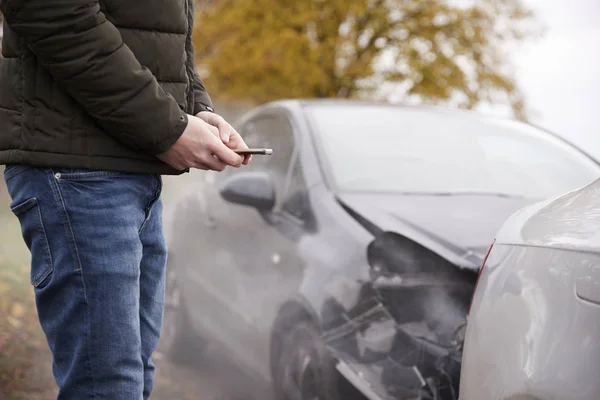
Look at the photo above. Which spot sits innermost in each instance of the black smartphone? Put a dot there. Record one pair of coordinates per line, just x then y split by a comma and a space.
262, 152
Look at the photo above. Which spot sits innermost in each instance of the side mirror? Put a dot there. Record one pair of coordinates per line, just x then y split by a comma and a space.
253, 189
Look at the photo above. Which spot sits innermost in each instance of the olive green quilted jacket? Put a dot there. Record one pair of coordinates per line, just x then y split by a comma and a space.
96, 84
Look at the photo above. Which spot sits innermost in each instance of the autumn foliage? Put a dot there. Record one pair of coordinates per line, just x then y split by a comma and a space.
434, 50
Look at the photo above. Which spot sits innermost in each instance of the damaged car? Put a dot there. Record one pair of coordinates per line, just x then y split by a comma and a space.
342, 265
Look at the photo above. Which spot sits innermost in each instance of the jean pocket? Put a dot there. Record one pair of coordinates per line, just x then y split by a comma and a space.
34, 235
12, 170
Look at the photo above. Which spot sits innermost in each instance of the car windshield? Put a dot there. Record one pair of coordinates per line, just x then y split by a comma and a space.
390, 149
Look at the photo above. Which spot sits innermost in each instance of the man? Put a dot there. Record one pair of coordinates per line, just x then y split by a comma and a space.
97, 100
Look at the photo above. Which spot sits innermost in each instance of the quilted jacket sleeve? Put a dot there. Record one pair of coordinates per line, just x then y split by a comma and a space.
202, 100
86, 54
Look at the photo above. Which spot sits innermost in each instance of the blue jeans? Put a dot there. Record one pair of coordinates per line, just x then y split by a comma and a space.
98, 260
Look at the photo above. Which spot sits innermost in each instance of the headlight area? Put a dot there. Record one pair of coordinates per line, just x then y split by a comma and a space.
428, 299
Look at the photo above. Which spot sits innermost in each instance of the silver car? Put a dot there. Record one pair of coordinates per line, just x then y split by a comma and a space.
534, 326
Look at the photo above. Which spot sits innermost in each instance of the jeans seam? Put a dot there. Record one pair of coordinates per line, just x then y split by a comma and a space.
32, 205
75, 254
48, 254
151, 203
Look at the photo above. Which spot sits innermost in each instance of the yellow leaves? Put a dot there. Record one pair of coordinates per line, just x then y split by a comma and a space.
17, 310
262, 50
4, 287
14, 322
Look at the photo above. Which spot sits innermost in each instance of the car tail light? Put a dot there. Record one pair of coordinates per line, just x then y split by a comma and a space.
479, 274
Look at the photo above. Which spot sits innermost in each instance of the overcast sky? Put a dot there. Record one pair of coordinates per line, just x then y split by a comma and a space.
560, 74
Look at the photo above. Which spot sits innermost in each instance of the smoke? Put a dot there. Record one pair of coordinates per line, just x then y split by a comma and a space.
233, 360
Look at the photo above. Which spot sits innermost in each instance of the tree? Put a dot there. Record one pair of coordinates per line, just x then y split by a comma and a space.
436, 50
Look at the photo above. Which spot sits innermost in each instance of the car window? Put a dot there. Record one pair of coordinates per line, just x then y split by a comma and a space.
273, 132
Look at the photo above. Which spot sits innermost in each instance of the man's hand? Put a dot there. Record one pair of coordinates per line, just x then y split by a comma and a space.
228, 135
200, 147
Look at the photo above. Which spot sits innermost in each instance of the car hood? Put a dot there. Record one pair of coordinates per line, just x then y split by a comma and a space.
459, 228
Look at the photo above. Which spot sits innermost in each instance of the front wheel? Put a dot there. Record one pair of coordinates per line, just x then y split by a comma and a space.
305, 370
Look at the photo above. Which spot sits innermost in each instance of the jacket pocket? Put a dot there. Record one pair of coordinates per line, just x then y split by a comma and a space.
34, 234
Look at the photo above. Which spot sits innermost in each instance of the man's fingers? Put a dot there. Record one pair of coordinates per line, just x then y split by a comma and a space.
224, 131
211, 162
221, 127
237, 143
202, 145
200, 166
227, 155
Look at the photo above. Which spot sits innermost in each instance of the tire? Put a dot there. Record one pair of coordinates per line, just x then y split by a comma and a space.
179, 342
305, 370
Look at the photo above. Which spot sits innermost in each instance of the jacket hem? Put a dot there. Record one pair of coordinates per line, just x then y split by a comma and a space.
103, 163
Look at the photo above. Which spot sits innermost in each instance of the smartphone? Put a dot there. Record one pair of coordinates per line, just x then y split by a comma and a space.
262, 152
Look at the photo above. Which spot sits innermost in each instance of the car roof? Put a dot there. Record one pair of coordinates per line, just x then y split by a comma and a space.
303, 103
298, 106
